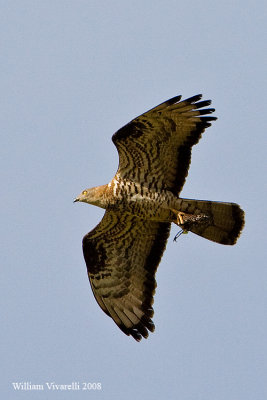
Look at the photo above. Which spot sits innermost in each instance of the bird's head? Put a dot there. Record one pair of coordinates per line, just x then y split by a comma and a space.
84, 196
91, 196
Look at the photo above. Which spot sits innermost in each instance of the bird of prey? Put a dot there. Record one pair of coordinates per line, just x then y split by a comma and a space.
123, 251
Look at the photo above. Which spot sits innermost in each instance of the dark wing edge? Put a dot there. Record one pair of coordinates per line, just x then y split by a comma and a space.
121, 269
202, 122
170, 105
196, 119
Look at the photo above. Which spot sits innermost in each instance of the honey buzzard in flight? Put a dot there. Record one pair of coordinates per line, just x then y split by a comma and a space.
123, 251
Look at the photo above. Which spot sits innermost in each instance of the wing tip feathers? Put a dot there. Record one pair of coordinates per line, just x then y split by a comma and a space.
140, 330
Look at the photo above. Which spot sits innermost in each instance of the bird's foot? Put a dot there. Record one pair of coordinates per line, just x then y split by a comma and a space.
188, 222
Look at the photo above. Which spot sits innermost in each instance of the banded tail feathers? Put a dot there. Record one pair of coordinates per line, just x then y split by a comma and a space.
217, 221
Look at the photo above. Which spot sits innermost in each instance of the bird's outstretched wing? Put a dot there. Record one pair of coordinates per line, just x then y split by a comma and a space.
122, 254
155, 148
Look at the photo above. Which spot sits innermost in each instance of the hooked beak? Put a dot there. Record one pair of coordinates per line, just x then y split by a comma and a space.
75, 200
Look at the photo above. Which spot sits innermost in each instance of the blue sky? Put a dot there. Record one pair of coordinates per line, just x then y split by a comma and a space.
71, 74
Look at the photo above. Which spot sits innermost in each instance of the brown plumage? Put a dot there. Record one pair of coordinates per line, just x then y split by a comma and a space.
123, 251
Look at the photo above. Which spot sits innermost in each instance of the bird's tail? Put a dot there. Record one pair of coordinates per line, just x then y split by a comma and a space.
213, 220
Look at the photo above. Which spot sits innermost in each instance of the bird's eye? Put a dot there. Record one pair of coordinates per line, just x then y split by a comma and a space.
84, 192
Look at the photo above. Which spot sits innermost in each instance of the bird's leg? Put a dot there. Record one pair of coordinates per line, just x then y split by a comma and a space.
189, 221
180, 222
181, 218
